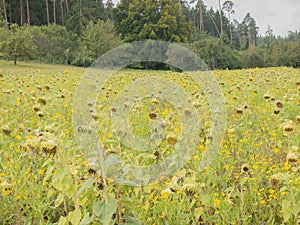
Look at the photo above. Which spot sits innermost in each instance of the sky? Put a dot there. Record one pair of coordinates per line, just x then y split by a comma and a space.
281, 15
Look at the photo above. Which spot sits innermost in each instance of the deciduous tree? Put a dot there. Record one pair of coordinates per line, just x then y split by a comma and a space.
19, 44
98, 39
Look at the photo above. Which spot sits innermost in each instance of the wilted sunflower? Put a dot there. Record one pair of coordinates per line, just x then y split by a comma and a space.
6, 130
239, 110
153, 115
171, 139
49, 129
41, 114
298, 118
275, 180
42, 101
32, 144
49, 147
288, 127
245, 168
279, 104
292, 157
36, 108
94, 116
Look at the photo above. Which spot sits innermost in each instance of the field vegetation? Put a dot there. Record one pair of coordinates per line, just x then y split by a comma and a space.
45, 179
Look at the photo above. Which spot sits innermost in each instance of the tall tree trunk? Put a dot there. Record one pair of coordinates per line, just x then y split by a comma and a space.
230, 27
15, 59
62, 12
214, 23
5, 15
10, 20
221, 18
54, 11
230, 30
67, 6
21, 12
47, 10
249, 40
80, 17
28, 12
201, 26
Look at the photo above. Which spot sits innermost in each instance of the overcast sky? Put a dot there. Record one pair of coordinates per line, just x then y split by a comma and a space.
281, 15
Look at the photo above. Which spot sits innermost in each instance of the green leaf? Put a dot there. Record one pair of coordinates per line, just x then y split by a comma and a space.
63, 182
59, 200
205, 199
57, 179
104, 211
50, 160
87, 219
133, 221
112, 205
198, 212
296, 209
50, 193
125, 200
75, 216
286, 210
62, 220
86, 185
112, 160
146, 179
97, 208
192, 204
108, 210
48, 174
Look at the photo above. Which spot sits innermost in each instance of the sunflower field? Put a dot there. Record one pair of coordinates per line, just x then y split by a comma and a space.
45, 178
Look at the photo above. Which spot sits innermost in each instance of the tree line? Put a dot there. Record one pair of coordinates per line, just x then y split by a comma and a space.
78, 31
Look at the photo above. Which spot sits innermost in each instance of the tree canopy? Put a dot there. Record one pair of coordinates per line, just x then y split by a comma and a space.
78, 31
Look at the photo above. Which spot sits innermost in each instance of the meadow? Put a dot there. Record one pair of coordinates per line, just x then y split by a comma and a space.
45, 179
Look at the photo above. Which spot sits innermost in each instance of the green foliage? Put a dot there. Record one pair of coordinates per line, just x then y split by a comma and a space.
252, 59
18, 42
280, 53
41, 42
4, 36
216, 53
59, 40
159, 20
82, 13
293, 52
252, 179
89, 32
104, 210
98, 39
276, 55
